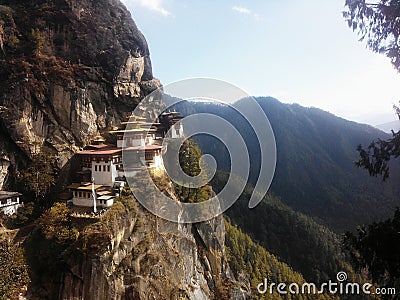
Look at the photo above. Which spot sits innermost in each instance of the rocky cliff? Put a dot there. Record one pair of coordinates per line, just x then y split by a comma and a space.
130, 254
68, 69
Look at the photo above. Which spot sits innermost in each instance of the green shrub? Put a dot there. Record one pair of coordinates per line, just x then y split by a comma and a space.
13, 269
56, 224
25, 215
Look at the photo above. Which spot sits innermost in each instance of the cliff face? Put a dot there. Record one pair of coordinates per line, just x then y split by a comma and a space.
131, 254
68, 69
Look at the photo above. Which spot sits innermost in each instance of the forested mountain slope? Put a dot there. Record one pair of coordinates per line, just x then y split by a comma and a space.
315, 171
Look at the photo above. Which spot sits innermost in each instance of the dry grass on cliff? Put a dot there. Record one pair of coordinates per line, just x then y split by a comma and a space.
13, 267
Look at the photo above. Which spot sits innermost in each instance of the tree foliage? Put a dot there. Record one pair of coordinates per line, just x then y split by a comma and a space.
39, 177
376, 249
56, 224
189, 159
25, 214
309, 248
13, 269
377, 22
247, 258
378, 154
46, 246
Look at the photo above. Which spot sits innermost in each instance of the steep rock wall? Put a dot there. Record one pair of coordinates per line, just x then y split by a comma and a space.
67, 70
144, 257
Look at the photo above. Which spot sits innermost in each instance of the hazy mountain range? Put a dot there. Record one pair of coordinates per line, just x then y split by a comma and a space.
317, 191
315, 171
388, 127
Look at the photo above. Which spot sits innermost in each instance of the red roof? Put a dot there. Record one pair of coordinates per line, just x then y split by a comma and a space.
105, 151
7, 195
147, 147
101, 146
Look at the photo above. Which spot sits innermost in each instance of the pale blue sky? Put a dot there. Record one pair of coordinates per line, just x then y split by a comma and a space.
295, 50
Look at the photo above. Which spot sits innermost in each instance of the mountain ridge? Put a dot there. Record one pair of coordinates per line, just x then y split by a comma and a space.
319, 177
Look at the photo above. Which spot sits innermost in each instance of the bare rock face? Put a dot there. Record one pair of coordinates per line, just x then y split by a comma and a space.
4, 165
68, 69
144, 257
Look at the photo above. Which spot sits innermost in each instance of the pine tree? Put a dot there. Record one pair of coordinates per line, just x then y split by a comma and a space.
189, 159
39, 177
377, 22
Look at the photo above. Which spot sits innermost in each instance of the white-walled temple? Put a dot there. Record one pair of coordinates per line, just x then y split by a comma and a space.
169, 125
9, 202
84, 194
103, 164
103, 173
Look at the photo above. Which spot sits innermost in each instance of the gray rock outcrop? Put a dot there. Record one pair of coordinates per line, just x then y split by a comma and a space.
68, 70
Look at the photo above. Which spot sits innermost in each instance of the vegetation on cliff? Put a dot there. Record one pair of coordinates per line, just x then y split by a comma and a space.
128, 250
309, 248
53, 233
13, 268
189, 159
40, 175
250, 260
375, 250
58, 236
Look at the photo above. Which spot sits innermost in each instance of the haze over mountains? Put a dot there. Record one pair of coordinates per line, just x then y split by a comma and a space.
315, 171
317, 192
388, 127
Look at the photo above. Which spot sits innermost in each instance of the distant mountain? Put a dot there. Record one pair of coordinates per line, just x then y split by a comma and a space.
388, 127
315, 171
308, 247
246, 256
